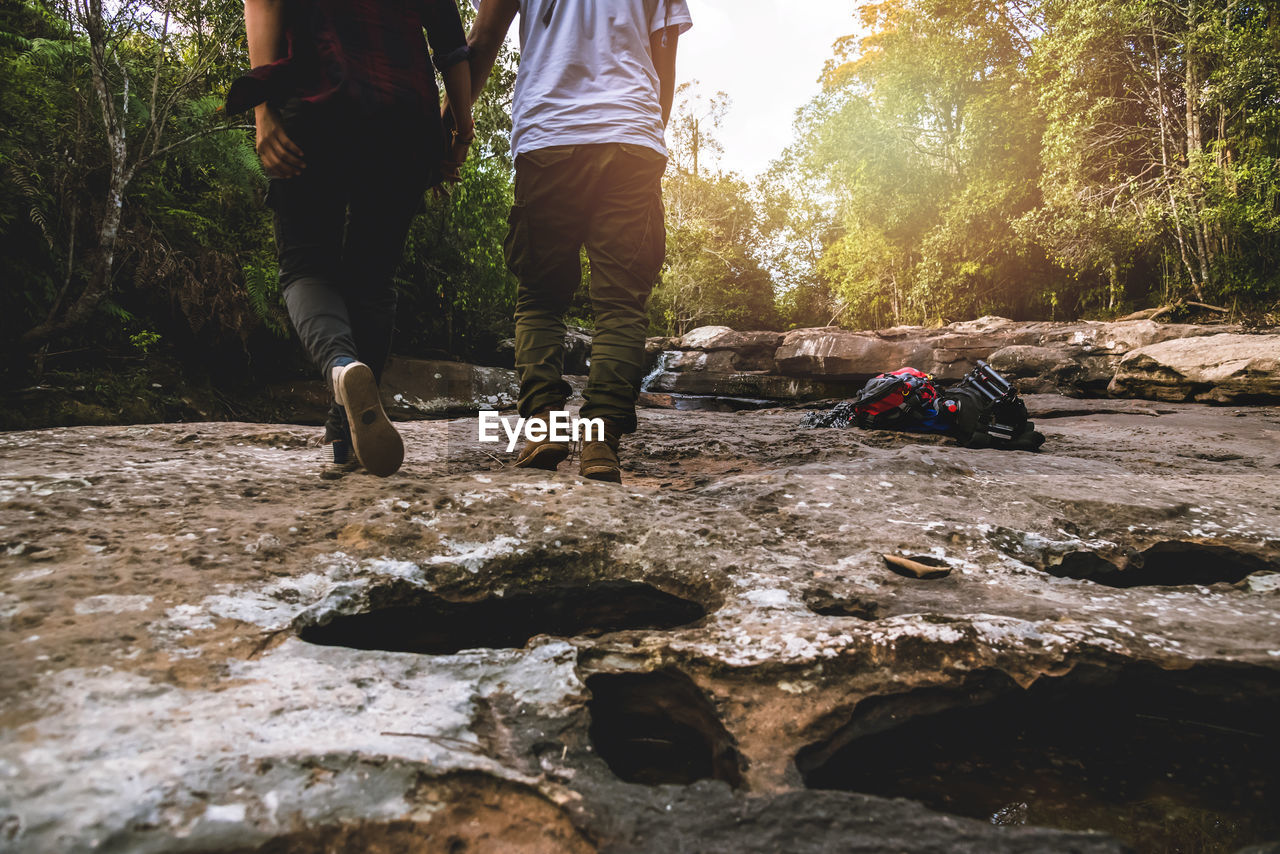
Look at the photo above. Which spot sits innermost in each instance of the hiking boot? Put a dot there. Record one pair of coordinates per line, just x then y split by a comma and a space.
600, 459
374, 439
337, 436
545, 455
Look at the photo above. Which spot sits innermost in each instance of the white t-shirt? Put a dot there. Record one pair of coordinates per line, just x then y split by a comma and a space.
586, 74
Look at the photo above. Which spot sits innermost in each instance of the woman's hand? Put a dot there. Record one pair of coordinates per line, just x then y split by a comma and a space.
280, 157
460, 140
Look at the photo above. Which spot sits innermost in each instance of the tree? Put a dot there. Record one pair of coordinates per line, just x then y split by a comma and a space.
925, 141
798, 220
713, 272
140, 95
1161, 137
712, 275
1027, 157
696, 119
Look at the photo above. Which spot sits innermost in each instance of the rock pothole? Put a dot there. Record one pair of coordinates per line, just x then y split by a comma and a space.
422, 622
1169, 563
1168, 761
656, 728
827, 603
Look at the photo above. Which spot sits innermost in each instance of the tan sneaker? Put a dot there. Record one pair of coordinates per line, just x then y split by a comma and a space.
600, 459
546, 455
378, 446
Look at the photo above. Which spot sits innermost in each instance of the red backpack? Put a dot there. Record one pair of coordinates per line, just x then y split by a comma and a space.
905, 399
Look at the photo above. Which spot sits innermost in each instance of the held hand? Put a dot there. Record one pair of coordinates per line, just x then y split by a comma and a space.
280, 157
456, 155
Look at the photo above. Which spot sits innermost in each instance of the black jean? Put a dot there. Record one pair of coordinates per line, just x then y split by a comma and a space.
340, 228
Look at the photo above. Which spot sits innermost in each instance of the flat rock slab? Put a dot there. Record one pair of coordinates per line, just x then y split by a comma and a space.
1135, 358
209, 646
1223, 368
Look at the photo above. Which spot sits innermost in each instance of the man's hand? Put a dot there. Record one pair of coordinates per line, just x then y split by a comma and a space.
456, 155
280, 157
457, 146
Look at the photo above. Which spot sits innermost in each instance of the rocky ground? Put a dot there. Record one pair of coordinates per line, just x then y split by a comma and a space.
214, 643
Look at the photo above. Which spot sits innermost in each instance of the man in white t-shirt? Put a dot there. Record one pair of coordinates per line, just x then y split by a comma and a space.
592, 99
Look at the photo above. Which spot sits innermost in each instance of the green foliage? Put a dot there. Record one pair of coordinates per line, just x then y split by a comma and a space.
144, 340
713, 275
193, 258
716, 241
1038, 158
456, 295
139, 121
1035, 159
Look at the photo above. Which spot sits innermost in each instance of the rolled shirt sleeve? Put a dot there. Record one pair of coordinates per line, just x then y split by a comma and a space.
671, 13
448, 40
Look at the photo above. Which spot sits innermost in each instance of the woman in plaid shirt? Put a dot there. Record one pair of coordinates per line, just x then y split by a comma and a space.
350, 132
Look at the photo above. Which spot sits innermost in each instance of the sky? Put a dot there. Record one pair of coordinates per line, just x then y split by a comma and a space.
767, 56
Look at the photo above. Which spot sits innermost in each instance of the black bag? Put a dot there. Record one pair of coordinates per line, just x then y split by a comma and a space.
981, 411
986, 412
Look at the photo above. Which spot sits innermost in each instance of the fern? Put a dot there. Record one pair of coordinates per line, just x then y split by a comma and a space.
118, 311
203, 107
263, 289
23, 181
245, 158
14, 42
26, 185
53, 54
38, 220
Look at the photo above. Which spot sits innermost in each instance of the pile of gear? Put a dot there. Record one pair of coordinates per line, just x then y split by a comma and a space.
981, 411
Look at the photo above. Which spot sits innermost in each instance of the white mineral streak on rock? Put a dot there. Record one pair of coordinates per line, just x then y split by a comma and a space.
275, 605
109, 604
774, 598
184, 619
1263, 583
407, 570
10, 606
225, 812
473, 556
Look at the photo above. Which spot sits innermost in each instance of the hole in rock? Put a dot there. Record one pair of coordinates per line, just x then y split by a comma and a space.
1169, 563
417, 621
1167, 761
656, 728
828, 604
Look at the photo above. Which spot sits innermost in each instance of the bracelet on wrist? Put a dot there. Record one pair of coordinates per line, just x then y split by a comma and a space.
467, 134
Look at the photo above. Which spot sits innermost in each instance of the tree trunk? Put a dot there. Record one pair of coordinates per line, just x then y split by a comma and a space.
1169, 170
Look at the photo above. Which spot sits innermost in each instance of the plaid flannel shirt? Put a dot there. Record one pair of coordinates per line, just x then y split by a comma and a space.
368, 53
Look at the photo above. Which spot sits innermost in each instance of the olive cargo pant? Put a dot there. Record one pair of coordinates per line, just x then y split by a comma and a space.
607, 198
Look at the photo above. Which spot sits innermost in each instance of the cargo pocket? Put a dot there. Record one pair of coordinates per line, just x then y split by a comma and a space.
531, 164
515, 247
545, 224
651, 251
